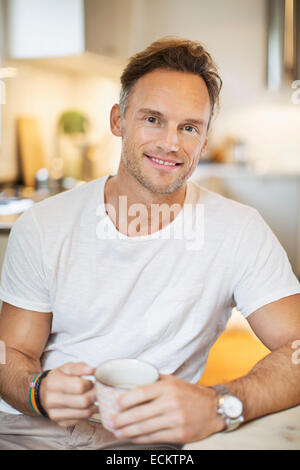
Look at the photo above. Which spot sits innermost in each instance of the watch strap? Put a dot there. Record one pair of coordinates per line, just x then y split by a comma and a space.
221, 390
231, 423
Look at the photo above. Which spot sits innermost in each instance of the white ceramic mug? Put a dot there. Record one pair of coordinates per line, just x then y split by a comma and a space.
116, 377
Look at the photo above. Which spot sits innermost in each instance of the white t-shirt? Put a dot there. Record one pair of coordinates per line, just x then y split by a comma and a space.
164, 298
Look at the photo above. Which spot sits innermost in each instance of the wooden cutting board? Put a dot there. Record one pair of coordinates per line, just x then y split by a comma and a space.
31, 147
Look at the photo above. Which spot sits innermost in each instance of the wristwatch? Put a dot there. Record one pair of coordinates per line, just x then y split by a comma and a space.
229, 407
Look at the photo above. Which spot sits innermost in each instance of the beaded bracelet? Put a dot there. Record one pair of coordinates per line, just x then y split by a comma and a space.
34, 398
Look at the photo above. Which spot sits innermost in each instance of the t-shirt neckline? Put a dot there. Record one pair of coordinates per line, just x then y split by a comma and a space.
155, 235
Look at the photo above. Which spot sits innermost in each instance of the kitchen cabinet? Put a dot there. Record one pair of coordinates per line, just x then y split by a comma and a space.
44, 29
110, 27
66, 28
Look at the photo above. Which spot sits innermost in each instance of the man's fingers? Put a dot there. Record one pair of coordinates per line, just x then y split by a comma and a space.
141, 394
69, 385
60, 382
60, 415
77, 368
155, 424
64, 400
138, 413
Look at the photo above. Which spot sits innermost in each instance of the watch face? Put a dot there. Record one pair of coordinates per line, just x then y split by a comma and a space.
232, 407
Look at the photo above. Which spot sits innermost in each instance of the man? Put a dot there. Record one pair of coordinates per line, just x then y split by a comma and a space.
85, 280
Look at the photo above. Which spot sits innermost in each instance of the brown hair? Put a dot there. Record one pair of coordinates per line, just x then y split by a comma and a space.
172, 54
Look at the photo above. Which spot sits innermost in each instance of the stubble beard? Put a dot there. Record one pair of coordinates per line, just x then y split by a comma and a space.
133, 166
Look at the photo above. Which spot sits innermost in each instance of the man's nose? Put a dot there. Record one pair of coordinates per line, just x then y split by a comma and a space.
169, 140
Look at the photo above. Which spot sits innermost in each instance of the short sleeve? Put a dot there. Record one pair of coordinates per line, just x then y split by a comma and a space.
23, 278
262, 271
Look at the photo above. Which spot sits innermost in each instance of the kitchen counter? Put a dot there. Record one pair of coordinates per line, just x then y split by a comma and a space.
7, 220
229, 170
277, 431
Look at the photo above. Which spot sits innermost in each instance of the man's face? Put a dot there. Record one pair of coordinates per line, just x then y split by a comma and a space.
166, 119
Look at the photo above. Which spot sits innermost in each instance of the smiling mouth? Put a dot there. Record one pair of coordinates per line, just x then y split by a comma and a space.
163, 162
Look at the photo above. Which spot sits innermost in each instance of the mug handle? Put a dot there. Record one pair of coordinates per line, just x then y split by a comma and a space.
92, 378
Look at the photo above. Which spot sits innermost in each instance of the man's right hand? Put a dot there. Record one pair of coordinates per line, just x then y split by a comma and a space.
66, 396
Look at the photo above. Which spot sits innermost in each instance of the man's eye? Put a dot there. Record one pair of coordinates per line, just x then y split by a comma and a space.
190, 129
151, 119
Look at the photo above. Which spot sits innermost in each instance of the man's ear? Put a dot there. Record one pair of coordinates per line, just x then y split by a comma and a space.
115, 120
203, 150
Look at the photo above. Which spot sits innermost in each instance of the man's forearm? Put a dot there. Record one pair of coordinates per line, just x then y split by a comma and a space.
15, 377
272, 385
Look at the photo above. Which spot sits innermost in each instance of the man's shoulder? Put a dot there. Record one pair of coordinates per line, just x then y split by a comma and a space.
218, 205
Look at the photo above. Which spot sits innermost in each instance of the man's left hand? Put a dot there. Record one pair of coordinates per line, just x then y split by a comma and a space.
170, 410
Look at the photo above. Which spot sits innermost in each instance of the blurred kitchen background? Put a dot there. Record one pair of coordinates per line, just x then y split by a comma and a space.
60, 63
